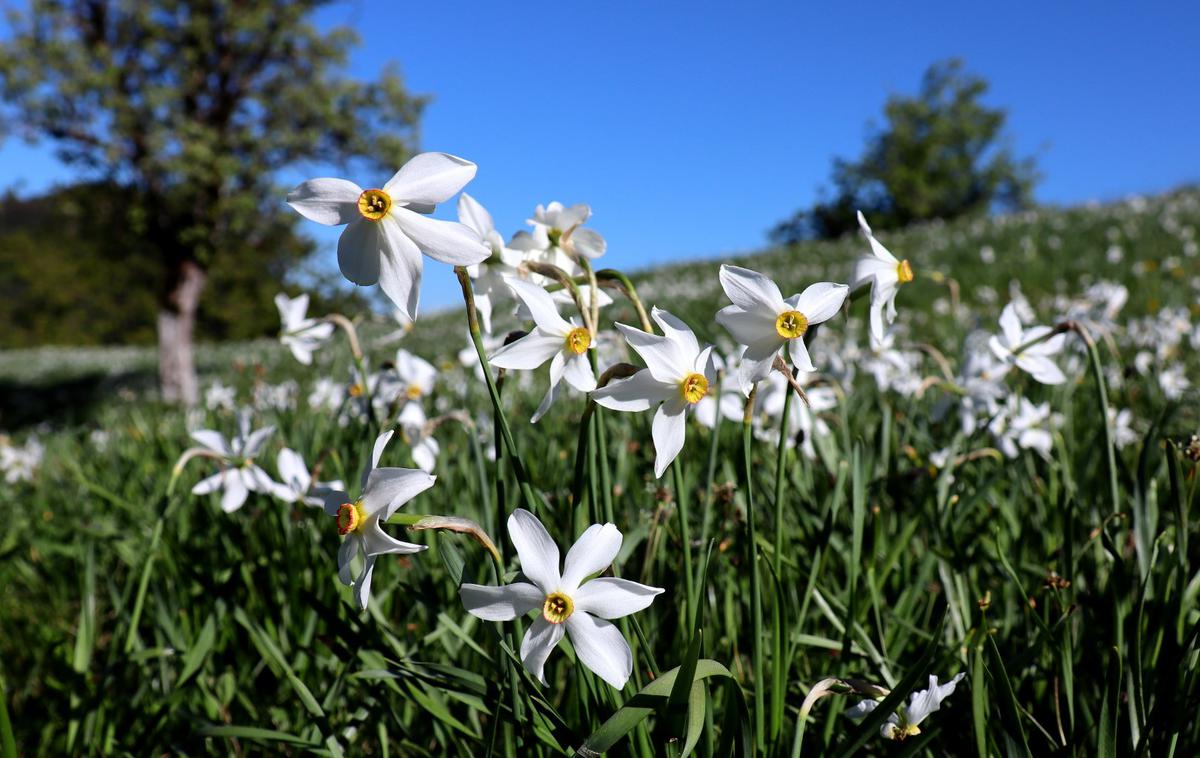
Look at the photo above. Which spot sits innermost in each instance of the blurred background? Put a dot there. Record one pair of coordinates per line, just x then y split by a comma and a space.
148, 146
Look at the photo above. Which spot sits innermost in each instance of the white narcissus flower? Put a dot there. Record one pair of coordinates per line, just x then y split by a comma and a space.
1033, 360
1023, 425
300, 334
384, 490
387, 229
568, 604
239, 474
885, 274
414, 428
677, 376
906, 723
764, 322
489, 275
563, 343
416, 375
558, 234
296, 483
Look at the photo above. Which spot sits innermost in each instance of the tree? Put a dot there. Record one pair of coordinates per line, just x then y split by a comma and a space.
194, 106
941, 154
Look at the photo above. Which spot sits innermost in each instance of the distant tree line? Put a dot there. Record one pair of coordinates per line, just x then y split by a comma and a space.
939, 155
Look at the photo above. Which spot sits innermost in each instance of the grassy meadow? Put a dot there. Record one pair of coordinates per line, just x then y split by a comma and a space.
897, 531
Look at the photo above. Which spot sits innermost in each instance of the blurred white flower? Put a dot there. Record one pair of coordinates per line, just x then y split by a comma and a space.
489, 275
1023, 425
300, 334
677, 377
885, 273
1174, 382
764, 322
416, 375
906, 723
296, 484
20, 463
239, 474
414, 428
563, 343
558, 234
220, 397
1010, 347
1122, 427
569, 605
383, 490
387, 229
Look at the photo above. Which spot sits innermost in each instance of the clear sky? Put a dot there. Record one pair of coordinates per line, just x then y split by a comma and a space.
691, 128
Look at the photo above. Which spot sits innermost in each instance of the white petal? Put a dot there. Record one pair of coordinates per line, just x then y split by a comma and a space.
578, 373
877, 248
359, 250
430, 178
235, 493
798, 352
378, 542
362, 586
668, 431
601, 648
214, 441
748, 327
820, 302
389, 488
639, 392
539, 641
474, 215
346, 552
537, 552
927, 701
547, 401
377, 452
255, 442
502, 603
528, 352
609, 597
676, 331
588, 243
662, 356
1041, 368
870, 269
1010, 325
540, 304
209, 484
400, 268
593, 552
326, 201
751, 290
446, 241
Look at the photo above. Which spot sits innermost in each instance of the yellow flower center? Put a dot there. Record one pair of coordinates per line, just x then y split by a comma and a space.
791, 324
901, 733
374, 204
555, 236
557, 608
350, 518
693, 388
904, 272
356, 390
413, 392
579, 340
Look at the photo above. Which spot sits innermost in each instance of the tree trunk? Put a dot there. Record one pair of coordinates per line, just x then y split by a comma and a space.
176, 323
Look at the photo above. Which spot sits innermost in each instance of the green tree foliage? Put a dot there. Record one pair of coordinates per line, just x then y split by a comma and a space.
74, 273
940, 155
193, 107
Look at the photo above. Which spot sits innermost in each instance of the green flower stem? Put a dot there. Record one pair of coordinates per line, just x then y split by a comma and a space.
627, 288
518, 466
685, 536
1114, 491
711, 470
755, 577
779, 680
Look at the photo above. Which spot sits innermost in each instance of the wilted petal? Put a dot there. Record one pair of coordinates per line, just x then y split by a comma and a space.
609, 597
601, 648
502, 603
593, 552
326, 201
537, 552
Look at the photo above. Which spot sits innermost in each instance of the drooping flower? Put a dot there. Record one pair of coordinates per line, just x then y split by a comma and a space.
239, 474
387, 229
302, 335
885, 273
906, 723
1009, 347
569, 604
296, 483
764, 322
383, 490
563, 343
677, 376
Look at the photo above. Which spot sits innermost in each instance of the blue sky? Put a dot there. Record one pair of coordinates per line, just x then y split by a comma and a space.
691, 128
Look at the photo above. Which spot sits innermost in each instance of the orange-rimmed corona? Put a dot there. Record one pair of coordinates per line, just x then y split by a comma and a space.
350, 518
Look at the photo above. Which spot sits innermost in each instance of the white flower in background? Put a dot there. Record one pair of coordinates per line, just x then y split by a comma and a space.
558, 235
384, 490
326, 394
488, 276
885, 274
677, 377
302, 335
239, 474
1023, 425
1122, 427
764, 322
907, 723
20, 463
801, 419
386, 229
1033, 360
892, 368
416, 375
569, 604
563, 343
468, 357
728, 402
279, 397
296, 484
220, 397
1174, 382
414, 428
